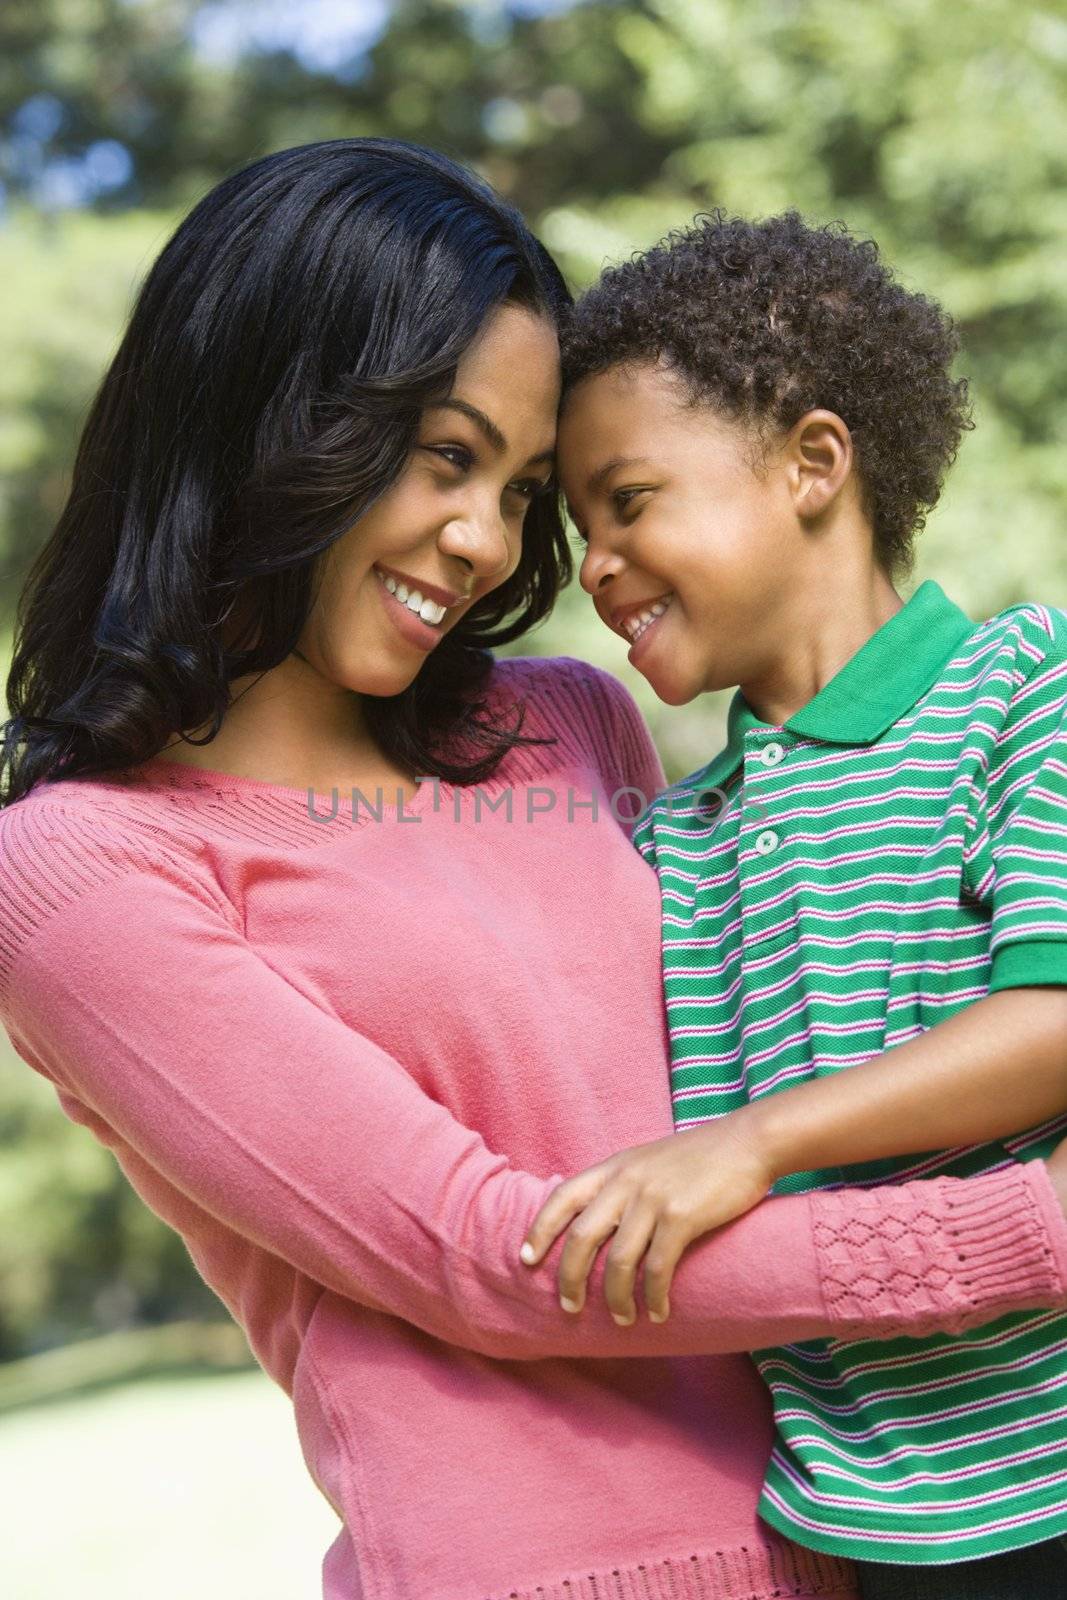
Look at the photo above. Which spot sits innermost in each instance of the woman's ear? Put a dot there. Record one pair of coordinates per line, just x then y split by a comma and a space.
820, 456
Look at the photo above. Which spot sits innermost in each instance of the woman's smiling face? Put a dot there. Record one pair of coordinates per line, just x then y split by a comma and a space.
449, 530
679, 527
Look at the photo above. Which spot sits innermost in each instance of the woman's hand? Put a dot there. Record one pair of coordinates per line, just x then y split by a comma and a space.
656, 1198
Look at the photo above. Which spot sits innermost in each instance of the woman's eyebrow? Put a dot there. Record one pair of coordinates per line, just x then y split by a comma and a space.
489, 428
479, 418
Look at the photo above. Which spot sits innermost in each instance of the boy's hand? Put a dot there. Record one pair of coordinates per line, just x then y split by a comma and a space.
1057, 1171
656, 1198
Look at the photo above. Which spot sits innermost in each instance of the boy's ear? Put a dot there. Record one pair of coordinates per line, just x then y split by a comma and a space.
819, 455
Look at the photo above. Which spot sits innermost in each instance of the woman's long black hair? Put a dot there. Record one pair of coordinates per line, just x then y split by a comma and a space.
266, 393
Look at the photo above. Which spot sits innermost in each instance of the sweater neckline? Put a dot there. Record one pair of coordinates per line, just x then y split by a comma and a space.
160, 772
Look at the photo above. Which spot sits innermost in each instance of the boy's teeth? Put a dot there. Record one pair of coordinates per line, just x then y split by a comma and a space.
428, 610
635, 625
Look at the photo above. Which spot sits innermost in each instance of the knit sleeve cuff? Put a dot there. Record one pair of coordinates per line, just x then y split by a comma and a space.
1028, 963
941, 1254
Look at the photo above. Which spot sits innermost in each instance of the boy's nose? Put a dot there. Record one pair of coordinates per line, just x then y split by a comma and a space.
598, 567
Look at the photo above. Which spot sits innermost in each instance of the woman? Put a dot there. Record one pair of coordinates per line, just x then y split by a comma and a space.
314, 487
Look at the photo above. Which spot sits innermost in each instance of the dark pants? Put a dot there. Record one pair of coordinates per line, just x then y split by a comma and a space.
1037, 1573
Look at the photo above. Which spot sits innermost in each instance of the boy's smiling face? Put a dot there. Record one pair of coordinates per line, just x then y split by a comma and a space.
675, 515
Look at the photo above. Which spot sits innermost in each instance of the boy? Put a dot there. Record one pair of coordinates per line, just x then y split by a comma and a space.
872, 875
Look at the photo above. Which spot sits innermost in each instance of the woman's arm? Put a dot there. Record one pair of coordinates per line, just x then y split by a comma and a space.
140, 998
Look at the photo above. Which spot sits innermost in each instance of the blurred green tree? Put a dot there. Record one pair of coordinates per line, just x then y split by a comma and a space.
80, 1253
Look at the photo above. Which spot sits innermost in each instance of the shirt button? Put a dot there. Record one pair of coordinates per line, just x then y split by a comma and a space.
766, 842
771, 754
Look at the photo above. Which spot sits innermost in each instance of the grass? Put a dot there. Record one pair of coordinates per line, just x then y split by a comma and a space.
166, 1487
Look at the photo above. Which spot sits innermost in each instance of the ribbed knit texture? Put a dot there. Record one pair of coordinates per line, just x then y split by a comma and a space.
348, 1061
893, 853
894, 1243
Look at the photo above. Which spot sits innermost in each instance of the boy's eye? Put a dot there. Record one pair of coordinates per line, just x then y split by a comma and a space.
624, 498
580, 536
529, 488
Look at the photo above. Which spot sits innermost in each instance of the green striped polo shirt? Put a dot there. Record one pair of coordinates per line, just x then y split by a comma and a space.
830, 889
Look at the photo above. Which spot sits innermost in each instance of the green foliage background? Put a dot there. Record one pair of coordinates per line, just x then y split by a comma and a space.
940, 131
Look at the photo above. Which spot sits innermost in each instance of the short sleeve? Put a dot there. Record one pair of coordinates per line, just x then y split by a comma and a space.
1023, 810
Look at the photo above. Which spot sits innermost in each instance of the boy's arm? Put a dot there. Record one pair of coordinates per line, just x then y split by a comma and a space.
996, 1068
999, 1066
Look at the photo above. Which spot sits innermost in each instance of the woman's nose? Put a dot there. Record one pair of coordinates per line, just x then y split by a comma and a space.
480, 540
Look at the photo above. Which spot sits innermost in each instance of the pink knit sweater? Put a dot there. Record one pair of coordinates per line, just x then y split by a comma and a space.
348, 1061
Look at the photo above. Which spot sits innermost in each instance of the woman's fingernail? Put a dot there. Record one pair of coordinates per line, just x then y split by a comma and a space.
656, 1316
624, 1322
528, 1253
569, 1305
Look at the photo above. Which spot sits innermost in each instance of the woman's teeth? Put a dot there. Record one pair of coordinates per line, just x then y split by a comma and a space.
636, 624
426, 609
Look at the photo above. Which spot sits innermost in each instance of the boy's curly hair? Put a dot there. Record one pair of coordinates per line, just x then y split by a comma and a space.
767, 320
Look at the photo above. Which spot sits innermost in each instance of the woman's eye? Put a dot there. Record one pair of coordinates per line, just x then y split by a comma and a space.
456, 455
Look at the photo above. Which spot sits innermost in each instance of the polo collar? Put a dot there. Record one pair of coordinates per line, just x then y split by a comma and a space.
874, 688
